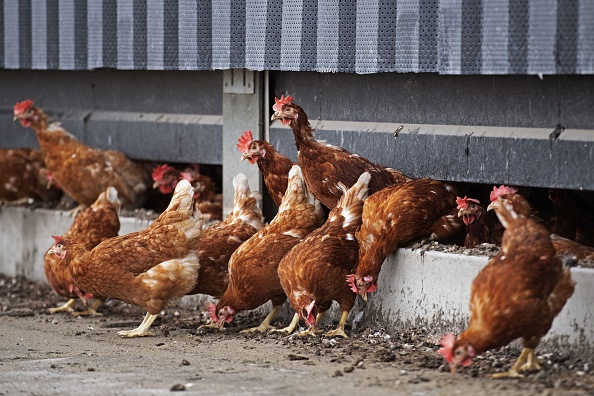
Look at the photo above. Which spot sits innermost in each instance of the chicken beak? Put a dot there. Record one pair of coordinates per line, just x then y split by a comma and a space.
244, 156
221, 324
453, 367
156, 184
461, 212
364, 295
275, 116
492, 205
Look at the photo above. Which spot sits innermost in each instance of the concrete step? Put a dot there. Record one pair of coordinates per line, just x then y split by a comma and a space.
416, 288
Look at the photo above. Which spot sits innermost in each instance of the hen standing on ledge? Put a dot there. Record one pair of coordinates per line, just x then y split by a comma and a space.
325, 165
81, 171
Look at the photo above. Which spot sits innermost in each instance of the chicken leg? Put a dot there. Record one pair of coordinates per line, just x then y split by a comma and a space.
313, 329
531, 362
209, 325
142, 330
66, 307
290, 328
265, 325
91, 311
339, 331
518, 365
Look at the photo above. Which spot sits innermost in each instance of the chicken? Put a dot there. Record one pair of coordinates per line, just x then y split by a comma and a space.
274, 166
519, 204
325, 165
574, 215
209, 203
253, 267
397, 215
220, 240
478, 228
523, 208
312, 273
81, 171
516, 295
23, 176
95, 224
147, 268
564, 246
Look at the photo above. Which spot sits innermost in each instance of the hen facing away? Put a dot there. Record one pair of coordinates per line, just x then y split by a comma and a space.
23, 175
209, 203
325, 165
517, 295
146, 268
312, 273
81, 171
253, 267
98, 222
274, 166
397, 215
220, 240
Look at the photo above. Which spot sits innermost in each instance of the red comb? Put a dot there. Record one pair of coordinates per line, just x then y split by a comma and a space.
57, 238
501, 191
351, 281
463, 202
447, 343
212, 312
244, 141
280, 103
160, 171
21, 107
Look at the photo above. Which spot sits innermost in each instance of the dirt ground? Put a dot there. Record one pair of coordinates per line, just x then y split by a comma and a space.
43, 354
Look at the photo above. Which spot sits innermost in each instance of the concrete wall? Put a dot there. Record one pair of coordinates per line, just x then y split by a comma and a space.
416, 289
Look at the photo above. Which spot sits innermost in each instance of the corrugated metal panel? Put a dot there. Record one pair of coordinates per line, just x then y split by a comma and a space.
365, 36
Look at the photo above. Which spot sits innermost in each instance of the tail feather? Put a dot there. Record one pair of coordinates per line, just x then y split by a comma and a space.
244, 198
107, 197
181, 211
351, 202
297, 191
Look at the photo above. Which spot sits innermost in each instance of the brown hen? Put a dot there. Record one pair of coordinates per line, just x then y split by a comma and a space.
81, 171
253, 267
325, 165
312, 273
24, 176
98, 222
274, 166
397, 215
220, 240
478, 227
517, 295
147, 268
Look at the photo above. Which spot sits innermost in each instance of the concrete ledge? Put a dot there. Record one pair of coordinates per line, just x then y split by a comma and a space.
416, 289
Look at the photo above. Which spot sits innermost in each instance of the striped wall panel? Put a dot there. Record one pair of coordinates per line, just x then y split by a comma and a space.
364, 36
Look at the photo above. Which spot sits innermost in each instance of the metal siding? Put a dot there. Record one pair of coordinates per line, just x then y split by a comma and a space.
328, 39
291, 35
188, 35
11, 35
95, 34
140, 34
39, 34
171, 35
366, 36
80, 35
25, 26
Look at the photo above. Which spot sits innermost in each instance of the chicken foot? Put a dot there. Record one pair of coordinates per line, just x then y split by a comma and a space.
526, 361
209, 325
290, 328
142, 330
313, 329
66, 307
91, 311
339, 331
265, 325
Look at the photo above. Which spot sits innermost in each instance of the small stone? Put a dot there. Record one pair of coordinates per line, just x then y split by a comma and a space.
178, 388
53, 366
580, 373
403, 372
338, 373
185, 363
90, 369
349, 369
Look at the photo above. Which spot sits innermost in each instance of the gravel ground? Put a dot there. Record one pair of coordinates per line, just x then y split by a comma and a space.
45, 354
